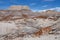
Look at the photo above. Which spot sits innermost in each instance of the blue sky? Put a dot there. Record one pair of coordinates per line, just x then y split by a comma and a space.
33, 4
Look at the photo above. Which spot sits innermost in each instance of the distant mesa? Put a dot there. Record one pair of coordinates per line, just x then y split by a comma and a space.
18, 7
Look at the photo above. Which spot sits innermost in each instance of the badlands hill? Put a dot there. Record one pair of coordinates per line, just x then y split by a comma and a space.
17, 12
21, 23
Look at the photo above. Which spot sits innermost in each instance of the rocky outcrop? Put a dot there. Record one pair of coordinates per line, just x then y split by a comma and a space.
18, 7
50, 13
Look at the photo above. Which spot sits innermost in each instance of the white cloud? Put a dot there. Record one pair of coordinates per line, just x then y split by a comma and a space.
34, 10
48, 0
42, 10
44, 5
56, 9
33, 4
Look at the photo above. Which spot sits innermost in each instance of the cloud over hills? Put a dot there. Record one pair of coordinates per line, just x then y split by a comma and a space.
56, 9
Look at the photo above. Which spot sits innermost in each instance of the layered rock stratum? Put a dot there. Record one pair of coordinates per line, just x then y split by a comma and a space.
21, 23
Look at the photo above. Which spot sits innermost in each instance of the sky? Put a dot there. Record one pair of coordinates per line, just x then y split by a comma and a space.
36, 5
